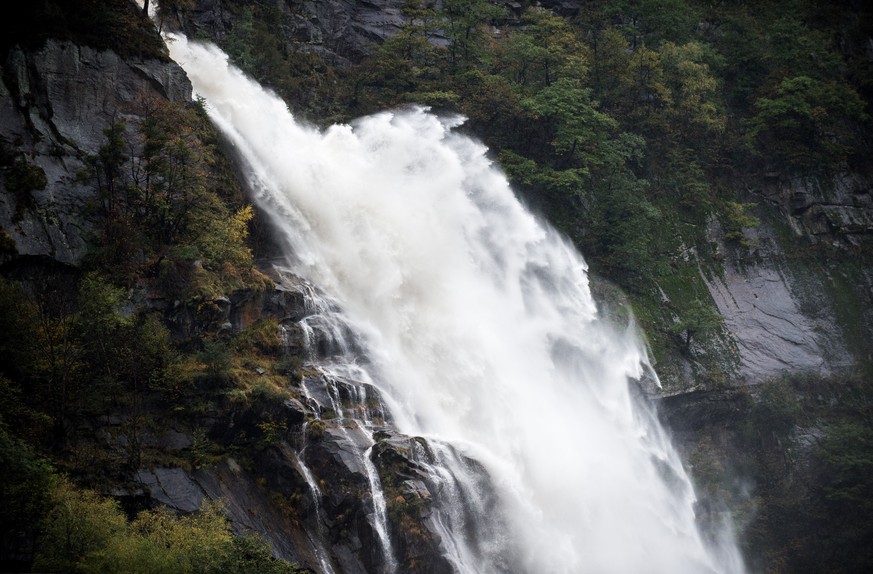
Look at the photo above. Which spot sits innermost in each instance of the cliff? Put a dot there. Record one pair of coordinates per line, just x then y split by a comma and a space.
777, 300
794, 303
56, 103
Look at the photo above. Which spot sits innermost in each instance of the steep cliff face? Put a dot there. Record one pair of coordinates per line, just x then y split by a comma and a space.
778, 301
297, 467
55, 104
798, 299
303, 487
340, 31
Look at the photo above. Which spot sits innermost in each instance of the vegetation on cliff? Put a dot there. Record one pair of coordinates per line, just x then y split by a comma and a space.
638, 128
102, 24
642, 130
83, 346
633, 126
792, 460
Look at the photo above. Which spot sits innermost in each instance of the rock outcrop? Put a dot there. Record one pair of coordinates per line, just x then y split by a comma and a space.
55, 104
836, 210
309, 488
306, 489
341, 32
780, 301
781, 323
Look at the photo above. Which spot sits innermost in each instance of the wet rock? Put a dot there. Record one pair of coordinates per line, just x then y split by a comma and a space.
286, 303
413, 523
345, 442
296, 411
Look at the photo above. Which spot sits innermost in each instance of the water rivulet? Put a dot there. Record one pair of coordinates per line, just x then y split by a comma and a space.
445, 311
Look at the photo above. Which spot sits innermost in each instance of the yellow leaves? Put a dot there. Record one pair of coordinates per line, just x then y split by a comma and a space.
190, 543
693, 85
222, 239
668, 90
80, 523
85, 532
239, 222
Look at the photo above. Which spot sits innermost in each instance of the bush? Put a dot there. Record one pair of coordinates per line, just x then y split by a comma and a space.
79, 524
86, 533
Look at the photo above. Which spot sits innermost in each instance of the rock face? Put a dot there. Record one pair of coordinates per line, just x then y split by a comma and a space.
774, 330
780, 302
764, 318
340, 31
838, 210
54, 105
310, 489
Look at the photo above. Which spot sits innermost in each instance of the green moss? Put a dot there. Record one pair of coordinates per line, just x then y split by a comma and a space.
847, 283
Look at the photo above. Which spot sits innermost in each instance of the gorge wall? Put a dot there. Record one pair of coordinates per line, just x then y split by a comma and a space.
797, 301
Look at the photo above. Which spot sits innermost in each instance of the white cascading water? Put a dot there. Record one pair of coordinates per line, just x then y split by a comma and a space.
480, 334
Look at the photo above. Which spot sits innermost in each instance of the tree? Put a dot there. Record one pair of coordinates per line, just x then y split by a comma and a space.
807, 123
463, 21
544, 50
99, 319
107, 166
404, 65
652, 21
24, 496
58, 360
697, 319
79, 523
847, 481
693, 88
240, 41
572, 127
737, 219
610, 65
86, 533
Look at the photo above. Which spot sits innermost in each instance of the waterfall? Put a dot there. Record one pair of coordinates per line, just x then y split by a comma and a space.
480, 334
